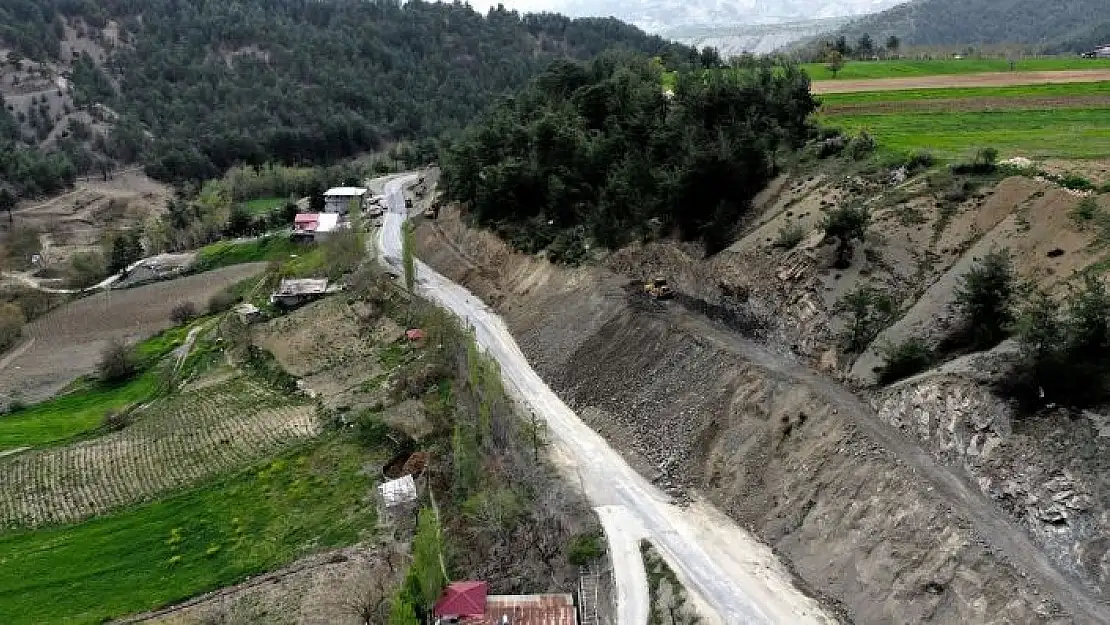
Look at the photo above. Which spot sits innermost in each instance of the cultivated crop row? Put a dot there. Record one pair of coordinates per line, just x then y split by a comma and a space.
173, 443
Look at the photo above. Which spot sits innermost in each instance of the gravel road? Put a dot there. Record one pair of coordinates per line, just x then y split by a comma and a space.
633, 596
723, 566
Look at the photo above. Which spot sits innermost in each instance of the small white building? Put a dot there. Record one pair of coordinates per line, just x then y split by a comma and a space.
338, 200
1103, 52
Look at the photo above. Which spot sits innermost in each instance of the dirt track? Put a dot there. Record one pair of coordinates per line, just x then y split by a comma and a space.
993, 79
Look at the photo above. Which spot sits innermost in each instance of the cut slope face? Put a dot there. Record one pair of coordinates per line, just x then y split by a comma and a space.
697, 409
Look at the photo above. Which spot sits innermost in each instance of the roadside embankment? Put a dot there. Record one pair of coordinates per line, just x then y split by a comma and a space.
693, 408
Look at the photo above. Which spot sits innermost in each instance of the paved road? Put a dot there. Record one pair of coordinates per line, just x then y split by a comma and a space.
725, 568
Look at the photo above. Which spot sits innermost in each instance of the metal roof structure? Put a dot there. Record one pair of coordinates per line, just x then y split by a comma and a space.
526, 610
345, 192
397, 492
462, 600
305, 286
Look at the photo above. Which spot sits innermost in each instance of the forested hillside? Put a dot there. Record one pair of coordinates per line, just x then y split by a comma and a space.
199, 86
959, 22
595, 155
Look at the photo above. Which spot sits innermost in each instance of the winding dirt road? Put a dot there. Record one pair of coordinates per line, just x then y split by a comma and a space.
726, 569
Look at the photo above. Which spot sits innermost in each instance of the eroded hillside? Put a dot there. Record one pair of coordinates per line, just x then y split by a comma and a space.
927, 501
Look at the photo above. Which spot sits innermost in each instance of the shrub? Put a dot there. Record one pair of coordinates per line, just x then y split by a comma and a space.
117, 363
985, 298
1085, 210
902, 361
870, 311
860, 146
920, 160
790, 235
847, 223
584, 549
183, 313
985, 161
116, 420
1076, 183
222, 301
86, 269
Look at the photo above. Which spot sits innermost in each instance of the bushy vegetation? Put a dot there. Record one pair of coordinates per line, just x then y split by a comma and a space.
596, 155
1066, 347
846, 224
869, 311
11, 324
985, 299
904, 360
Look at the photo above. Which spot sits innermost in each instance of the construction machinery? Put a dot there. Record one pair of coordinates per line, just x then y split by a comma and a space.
658, 288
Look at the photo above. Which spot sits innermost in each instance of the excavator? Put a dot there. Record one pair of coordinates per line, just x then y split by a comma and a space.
658, 288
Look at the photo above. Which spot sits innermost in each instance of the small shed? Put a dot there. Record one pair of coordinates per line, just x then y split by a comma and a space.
398, 492
248, 313
1103, 52
293, 292
338, 200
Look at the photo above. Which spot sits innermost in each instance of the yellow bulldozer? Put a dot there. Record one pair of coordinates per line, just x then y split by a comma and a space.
657, 288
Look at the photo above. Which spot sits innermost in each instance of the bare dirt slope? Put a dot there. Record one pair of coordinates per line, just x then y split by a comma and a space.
67, 342
989, 79
866, 518
79, 220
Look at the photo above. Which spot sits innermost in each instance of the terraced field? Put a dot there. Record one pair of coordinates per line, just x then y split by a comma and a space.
855, 70
174, 442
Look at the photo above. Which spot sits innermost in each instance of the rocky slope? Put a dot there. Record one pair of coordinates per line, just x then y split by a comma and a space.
850, 503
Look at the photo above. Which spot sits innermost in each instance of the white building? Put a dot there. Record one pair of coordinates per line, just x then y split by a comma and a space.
1103, 52
316, 226
338, 200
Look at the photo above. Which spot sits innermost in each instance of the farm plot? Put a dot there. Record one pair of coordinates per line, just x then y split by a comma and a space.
174, 442
854, 70
68, 342
1029, 97
1064, 133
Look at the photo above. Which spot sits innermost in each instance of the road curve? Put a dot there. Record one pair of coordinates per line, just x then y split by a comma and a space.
725, 568
630, 577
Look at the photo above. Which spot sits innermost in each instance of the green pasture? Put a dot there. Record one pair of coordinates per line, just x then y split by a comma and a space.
189, 543
261, 206
863, 70
1063, 90
1061, 133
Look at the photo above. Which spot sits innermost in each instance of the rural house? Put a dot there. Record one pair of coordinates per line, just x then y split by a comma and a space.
1103, 52
468, 603
315, 226
338, 200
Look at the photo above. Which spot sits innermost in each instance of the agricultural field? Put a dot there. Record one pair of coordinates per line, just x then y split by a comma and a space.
1054, 121
213, 535
261, 206
172, 443
67, 343
865, 70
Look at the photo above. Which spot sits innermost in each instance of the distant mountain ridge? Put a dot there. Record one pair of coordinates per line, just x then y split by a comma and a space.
732, 26
1064, 25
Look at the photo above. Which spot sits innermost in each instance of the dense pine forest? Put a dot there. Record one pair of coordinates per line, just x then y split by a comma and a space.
595, 154
201, 85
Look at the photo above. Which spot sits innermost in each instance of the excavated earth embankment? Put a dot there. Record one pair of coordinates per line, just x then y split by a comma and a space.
693, 405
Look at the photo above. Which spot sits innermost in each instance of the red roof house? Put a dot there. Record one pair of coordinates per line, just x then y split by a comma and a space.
416, 334
462, 600
306, 222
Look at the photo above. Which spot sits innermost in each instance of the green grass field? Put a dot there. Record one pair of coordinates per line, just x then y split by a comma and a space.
72, 415
83, 406
227, 253
261, 206
857, 70
1065, 90
1064, 133
196, 541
